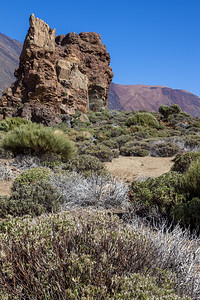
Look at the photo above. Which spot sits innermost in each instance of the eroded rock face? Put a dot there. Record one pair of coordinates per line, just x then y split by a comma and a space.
58, 75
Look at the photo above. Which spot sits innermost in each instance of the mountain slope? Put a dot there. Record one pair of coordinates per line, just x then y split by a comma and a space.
9, 60
144, 97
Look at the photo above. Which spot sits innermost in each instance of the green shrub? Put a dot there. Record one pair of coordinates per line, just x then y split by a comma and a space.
169, 133
162, 193
191, 142
111, 143
133, 151
102, 152
11, 123
191, 182
182, 162
188, 214
36, 139
123, 139
31, 176
32, 194
135, 148
166, 110
167, 149
34, 199
5, 153
146, 131
143, 119
83, 136
108, 131
87, 165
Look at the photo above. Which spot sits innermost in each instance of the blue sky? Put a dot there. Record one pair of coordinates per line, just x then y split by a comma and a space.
154, 42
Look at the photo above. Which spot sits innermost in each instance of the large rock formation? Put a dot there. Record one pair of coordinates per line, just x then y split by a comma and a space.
58, 75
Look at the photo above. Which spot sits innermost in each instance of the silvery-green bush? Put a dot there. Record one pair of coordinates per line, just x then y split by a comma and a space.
96, 191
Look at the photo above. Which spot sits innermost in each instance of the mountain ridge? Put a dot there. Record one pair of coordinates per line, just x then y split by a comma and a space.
10, 50
150, 97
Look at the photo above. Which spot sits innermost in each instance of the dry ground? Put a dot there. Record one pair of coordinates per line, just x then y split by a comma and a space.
5, 187
129, 168
125, 167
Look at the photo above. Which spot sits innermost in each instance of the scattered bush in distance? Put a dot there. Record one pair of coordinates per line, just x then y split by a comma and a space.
143, 119
87, 165
166, 110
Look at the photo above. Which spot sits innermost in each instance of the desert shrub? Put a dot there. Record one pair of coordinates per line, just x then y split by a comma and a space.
108, 131
192, 143
147, 131
36, 139
133, 151
135, 148
83, 136
158, 194
111, 143
123, 139
32, 194
5, 153
24, 162
34, 175
102, 152
169, 133
166, 110
191, 181
94, 191
118, 131
182, 162
11, 123
84, 256
181, 119
34, 200
92, 117
188, 214
136, 128
164, 149
87, 165
141, 135
143, 119
83, 146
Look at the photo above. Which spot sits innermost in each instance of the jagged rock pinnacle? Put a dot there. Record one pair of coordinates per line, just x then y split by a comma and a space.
58, 75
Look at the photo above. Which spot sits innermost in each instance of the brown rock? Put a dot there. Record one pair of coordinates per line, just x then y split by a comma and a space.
58, 75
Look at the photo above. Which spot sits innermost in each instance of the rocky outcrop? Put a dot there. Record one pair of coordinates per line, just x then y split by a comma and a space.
58, 75
149, 98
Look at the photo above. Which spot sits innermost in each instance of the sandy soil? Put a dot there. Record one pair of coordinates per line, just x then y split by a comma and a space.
125, 167
5, 187
129, 168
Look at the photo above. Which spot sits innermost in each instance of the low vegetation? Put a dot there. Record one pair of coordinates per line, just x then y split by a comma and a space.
37, 139
69, 230
66, 256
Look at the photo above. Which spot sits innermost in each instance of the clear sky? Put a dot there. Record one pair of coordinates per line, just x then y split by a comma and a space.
154, 42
